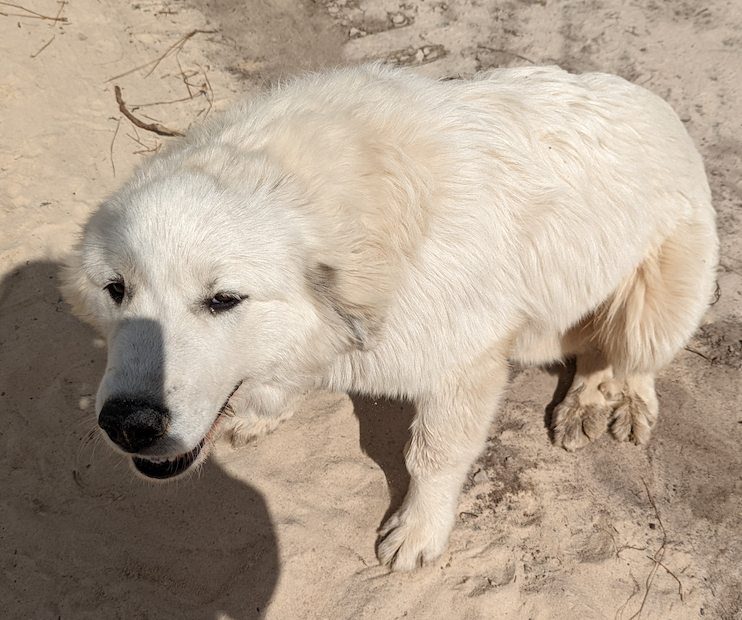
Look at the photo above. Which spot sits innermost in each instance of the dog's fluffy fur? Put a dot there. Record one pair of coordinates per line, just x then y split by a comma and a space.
371, 230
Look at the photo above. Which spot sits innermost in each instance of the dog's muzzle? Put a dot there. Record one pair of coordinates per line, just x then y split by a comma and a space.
136, 425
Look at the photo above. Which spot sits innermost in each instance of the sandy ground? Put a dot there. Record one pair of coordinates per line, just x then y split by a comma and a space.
284, 528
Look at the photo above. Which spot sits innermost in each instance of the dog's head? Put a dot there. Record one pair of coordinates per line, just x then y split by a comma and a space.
202, 287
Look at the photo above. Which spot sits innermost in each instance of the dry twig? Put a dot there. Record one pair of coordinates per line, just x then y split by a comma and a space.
204, 89
145, 148
657, 558
501, 51
637, 587
44, 46
175, 47
115, 133
148, 149
681, 592
623, 547
155, 127
31, 14
706, 357
149, 105
210, 92
717, 293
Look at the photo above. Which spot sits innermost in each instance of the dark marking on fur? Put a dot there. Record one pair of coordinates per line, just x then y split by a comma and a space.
323, 281
279, 183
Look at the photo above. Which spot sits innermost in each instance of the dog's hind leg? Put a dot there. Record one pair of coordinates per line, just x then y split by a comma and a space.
447, 435
637, 331
652, 315
634, 419
584, 413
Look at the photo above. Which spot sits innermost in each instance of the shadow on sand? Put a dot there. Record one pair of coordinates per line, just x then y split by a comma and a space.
80, 536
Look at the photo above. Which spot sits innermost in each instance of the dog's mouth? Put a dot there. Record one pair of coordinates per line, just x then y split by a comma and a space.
162, 468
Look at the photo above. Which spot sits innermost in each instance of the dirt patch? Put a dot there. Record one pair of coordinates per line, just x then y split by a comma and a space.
266, 40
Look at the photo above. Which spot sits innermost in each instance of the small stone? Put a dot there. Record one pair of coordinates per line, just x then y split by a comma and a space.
333, 10
480, 477
398, 19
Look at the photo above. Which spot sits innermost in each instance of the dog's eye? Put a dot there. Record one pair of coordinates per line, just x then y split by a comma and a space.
223, 301
116, 290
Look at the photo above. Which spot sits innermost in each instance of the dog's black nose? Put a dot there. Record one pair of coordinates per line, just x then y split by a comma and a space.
132, 423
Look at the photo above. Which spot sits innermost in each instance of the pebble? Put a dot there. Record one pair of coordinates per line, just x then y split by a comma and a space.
480, 477
398, 19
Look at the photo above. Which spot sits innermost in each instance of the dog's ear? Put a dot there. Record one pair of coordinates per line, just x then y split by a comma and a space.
75, 286
72, 279
361, 315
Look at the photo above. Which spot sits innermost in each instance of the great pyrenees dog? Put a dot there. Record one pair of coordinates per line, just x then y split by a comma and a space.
374, 231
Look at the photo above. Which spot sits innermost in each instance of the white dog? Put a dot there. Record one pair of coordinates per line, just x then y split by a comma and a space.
371, 230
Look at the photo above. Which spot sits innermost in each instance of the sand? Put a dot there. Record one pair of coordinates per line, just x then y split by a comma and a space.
285, 527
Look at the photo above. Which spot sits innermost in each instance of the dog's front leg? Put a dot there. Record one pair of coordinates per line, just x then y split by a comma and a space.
448, 434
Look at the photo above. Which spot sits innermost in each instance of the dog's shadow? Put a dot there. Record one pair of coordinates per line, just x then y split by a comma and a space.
384, 431
80, 536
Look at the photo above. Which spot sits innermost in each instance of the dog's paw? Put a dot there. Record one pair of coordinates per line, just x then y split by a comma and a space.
584, 413
576, 425
633, 421
240, 431
257, 412
407, 542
